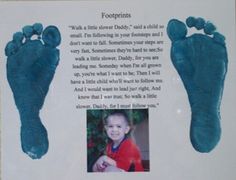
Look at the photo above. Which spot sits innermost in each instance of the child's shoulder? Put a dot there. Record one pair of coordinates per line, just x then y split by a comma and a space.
129, 142
129, 147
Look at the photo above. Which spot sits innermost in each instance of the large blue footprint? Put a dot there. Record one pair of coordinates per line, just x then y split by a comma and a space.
201, 61
31, 65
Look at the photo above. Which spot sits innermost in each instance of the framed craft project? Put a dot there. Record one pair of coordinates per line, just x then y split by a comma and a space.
142, 89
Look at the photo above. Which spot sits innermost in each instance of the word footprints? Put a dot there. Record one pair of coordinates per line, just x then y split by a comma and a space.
201, 61
31, 65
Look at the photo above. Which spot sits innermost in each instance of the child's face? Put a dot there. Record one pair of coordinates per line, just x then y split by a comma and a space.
116, 128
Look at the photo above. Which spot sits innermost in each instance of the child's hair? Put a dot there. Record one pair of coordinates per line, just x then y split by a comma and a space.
118, 113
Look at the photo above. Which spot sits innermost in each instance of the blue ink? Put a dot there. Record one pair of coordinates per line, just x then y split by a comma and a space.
201, 62
31, 64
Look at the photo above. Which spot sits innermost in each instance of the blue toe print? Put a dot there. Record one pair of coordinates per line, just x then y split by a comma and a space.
201, 61
31, 65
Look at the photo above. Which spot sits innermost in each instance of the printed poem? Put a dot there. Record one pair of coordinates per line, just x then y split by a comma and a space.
116, 66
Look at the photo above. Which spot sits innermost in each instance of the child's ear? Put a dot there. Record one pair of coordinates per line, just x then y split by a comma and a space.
105, 127
127, 129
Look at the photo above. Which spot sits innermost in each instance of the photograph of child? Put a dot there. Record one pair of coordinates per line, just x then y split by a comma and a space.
121, 153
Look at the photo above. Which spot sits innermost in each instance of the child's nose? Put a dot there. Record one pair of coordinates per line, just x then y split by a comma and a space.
114, 128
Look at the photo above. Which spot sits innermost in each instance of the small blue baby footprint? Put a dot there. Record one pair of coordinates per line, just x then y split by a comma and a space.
201, 61
31, 64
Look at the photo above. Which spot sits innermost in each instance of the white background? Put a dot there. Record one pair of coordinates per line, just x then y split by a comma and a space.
171, 154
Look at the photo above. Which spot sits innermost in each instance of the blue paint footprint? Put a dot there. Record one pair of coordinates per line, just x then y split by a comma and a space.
31, 65
201, 61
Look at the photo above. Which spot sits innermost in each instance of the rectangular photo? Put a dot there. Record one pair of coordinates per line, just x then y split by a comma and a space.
118, 140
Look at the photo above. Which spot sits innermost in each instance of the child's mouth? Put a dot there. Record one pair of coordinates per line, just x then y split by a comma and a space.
114, 135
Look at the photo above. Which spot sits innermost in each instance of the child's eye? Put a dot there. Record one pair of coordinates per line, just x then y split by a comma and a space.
119, 126
110, 126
